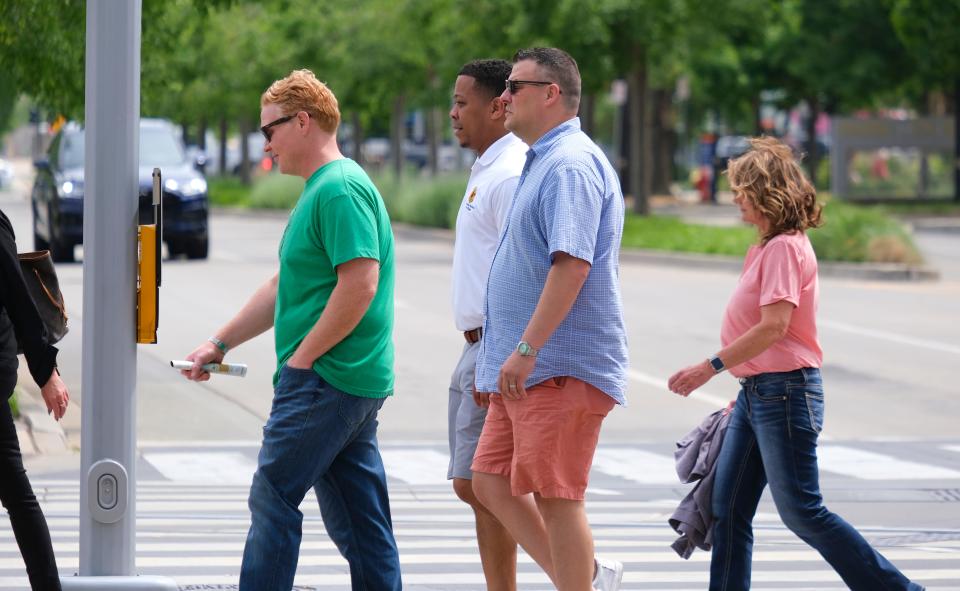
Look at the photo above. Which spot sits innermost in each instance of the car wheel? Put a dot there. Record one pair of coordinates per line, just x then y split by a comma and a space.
174, 248
39, 243
197, 248
61, 252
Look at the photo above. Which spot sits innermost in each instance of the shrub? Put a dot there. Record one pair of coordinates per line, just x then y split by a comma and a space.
227, 191
422, 201
858, 234
275, 191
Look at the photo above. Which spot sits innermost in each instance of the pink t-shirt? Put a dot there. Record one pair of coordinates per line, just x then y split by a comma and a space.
783, 269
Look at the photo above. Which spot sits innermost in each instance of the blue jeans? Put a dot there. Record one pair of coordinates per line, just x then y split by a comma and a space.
319, 437
772, 438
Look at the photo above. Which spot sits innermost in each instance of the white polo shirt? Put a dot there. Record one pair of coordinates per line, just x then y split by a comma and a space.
480, 221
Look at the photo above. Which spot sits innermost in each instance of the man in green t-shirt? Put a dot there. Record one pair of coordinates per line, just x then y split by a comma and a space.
331, 307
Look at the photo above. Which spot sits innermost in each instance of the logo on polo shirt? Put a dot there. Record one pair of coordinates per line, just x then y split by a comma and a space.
473, 195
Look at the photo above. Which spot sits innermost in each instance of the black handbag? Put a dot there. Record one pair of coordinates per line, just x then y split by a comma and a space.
44, 288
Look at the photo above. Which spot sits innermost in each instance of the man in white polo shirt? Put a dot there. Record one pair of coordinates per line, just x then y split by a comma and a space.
477, 118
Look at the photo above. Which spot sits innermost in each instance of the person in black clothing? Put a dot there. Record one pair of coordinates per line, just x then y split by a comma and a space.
20, 323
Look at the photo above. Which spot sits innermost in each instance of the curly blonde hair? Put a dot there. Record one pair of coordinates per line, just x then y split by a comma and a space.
301, 91
771, 179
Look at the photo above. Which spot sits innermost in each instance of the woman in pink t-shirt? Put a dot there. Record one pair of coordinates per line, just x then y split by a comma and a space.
769, 337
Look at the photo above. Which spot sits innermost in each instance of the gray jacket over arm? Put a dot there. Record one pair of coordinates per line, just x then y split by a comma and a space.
696, 457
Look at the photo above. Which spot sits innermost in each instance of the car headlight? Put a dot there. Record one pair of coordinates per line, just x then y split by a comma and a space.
72, 189
191, 188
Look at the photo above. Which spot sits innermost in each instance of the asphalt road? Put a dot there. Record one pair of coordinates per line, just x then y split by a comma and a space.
890, 348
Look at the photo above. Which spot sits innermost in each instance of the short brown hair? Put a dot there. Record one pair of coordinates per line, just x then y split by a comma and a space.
301, 91
771, 179
558, 65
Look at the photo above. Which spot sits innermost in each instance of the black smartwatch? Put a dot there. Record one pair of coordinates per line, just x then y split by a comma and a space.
717, 364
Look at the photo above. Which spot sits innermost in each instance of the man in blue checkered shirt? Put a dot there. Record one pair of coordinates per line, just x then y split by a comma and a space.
554, 352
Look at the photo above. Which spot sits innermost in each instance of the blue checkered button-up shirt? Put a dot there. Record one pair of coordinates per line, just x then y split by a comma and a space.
568, 200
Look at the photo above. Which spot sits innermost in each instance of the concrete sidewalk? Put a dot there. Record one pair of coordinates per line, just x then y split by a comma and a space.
39, 433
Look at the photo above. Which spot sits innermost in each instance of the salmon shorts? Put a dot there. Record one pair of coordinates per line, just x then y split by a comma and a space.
544, 443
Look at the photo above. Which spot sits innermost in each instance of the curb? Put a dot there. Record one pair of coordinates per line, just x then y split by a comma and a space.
714, 262
943, 225
47, 435
246, 212
878, 272
718, 262
43, 433
862, 271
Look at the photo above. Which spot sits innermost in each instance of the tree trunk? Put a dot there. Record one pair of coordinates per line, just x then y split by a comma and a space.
396, 135
621, 144
923, 182
202, 134
204, 157
357, 138
956, 141
757, 115
587, 113
244, 152
433, 140
223, 146
813, 153
638, 165
662, 143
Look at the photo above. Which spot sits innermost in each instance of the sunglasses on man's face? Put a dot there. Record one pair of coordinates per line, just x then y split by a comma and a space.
514, 85
267, 130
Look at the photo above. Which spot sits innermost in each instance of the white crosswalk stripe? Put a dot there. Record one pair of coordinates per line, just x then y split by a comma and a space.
867, 465
229, 467
192, 526
420, 464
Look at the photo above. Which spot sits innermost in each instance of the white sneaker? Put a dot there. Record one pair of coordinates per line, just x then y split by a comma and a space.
608, 574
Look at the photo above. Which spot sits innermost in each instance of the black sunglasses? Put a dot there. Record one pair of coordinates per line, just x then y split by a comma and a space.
266, 129
514, 85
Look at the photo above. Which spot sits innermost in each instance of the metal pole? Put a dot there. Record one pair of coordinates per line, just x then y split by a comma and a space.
108, 431
109, 265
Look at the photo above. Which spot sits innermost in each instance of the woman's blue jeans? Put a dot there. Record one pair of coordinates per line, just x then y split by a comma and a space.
772, 439
319, 437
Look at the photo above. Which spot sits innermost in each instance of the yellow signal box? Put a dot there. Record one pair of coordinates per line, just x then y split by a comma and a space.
149, 239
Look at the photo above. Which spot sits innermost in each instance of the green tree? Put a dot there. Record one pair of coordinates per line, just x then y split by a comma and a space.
41, 51
642, 33
837, 56
729, 62
928, 29
8, 102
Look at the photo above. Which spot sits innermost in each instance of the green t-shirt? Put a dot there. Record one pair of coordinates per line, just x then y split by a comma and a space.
340, 216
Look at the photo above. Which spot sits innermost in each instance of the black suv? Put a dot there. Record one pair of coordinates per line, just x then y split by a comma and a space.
57, 197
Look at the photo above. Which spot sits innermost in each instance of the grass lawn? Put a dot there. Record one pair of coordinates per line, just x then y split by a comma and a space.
667, 233
228, 191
